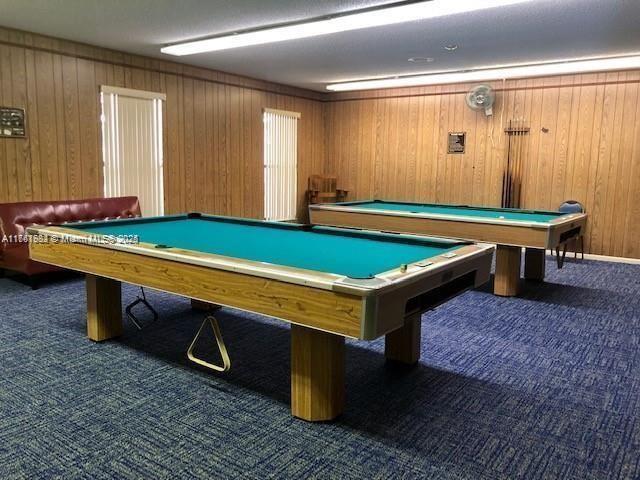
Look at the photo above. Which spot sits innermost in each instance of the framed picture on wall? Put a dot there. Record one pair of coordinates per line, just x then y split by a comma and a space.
12, 122
456, 142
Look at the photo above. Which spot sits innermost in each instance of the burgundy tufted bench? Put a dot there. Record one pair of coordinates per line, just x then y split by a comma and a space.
16, 217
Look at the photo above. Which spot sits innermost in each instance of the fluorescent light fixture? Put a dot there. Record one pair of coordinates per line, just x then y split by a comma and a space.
357, 20
560, 67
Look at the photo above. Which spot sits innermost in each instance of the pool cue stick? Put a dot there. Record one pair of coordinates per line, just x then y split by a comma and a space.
525, 152
520, 162
516, 186
505, 176
512, 171
503, 180
516, 201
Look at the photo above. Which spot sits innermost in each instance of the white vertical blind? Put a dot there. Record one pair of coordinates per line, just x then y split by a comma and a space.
132, 146
280, 164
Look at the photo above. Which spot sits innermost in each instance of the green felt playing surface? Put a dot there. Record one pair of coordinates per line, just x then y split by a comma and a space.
323, 249
490, 213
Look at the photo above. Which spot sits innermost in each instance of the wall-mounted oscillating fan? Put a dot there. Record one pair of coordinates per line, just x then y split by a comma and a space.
481, 98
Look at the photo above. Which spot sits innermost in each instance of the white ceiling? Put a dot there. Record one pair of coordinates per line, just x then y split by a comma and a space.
535, 31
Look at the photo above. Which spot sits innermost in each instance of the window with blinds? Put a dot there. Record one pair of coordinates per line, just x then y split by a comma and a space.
132, 146
280, 164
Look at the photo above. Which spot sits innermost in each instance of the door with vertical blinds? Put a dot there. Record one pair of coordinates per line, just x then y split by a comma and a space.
280, 164
132, 146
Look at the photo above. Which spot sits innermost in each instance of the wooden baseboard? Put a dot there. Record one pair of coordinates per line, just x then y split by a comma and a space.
598, 258
603, 258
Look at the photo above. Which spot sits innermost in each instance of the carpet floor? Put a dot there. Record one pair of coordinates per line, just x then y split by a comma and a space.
543, 386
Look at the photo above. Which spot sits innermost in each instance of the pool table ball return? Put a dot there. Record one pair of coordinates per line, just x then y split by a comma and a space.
509, 229
329, 283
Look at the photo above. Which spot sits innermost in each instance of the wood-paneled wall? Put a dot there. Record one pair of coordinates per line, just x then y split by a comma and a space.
212, 126
584, 144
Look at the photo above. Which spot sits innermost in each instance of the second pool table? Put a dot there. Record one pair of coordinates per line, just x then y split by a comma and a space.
329, 283
509, 229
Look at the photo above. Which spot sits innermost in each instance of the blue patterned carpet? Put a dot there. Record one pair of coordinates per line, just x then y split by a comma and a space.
543, 386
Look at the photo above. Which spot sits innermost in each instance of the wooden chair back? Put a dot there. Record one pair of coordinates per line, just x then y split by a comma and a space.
324, 189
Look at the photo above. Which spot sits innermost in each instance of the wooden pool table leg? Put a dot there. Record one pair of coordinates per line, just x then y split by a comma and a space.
534, 264
104, 308
317, 374
507, 275
403, 345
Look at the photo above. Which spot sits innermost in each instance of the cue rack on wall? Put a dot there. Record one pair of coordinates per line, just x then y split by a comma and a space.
516, 131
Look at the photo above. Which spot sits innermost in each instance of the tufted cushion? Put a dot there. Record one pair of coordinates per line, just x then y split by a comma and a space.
16, 217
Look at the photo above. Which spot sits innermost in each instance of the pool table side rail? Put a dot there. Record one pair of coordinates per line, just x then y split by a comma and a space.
187, 216
312, 278
446, 205
498, 231
318, 300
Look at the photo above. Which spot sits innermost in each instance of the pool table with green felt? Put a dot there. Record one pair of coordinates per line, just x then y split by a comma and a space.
330, 283
509, 229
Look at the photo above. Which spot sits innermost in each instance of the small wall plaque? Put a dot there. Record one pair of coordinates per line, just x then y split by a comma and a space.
12, 122
456, 142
